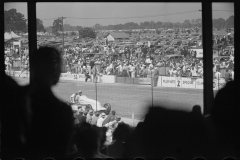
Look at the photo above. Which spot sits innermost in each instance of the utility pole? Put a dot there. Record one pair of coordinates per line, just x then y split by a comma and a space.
62, 33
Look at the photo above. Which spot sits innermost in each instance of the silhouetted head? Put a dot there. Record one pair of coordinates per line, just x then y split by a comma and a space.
196, 109
122, 132
224, 100
46, 66
88, 140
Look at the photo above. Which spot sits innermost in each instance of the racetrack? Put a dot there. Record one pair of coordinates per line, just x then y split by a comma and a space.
126, 99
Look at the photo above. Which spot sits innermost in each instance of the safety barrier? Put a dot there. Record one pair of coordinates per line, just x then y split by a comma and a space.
13, 73
108, 79
161, 81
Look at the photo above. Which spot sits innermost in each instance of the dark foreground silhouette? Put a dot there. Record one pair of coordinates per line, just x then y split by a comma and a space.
37, 125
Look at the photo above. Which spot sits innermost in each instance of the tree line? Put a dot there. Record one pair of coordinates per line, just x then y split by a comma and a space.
15, 21
219, 23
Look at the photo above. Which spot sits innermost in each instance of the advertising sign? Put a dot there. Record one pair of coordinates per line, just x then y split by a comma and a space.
188, 83
168, 81
199, 83
218, 84
145, 81
178, 82
66, 76
159, 81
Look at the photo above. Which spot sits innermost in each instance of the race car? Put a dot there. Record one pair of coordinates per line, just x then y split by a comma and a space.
89, 104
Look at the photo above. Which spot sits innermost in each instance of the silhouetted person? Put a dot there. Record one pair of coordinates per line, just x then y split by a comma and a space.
88, 140
109, 118
52, 120
168, 133
223, 123
16, 117
121, 136
197, 110
227, 75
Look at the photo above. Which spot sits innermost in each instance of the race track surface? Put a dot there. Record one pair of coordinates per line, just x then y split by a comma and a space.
127, 99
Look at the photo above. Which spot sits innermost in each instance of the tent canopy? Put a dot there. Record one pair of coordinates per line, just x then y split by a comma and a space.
11, 35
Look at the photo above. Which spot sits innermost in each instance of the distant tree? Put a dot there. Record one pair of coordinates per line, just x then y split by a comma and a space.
230, 21
57, 26
97, 26
48, 29
14, 21
87, 32
193, 22
159, 24
187, 24
40, 27
79, 28
198, 22
219, 23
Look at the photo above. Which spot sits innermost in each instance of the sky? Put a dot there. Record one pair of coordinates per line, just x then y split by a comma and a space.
115, 12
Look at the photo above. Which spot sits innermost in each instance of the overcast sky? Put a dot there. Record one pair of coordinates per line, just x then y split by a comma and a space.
124, 10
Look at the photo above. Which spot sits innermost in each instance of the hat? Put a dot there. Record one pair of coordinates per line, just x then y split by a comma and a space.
103, 114
80, 91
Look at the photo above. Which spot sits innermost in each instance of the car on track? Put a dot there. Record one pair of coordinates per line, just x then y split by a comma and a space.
90, 104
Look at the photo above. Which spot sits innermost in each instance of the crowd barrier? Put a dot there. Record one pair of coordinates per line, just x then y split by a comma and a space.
25, 74
161, 81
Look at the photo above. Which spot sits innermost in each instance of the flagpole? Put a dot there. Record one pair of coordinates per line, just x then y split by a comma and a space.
152, 86
95, 89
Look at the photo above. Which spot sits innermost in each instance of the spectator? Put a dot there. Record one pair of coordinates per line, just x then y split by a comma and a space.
174, 133
223, 123
17, 117
227, 75
109, 118
95, 73
197, 110
87, 76
88, 142
95, 118
50, 116
193, 72
174, 73
121, 136
101, 119
232, 74
170, 72
217, 74
89, 116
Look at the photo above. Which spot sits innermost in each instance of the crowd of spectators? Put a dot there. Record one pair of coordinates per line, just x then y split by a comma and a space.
139, 61
42, 126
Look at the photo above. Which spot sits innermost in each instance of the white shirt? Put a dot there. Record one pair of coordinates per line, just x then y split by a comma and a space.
217, 75
148, 60
170, 71
120, 68
150, 66
184, 68
214, 68
100, 121
174, 73
232, 73
72, 98
7, 60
